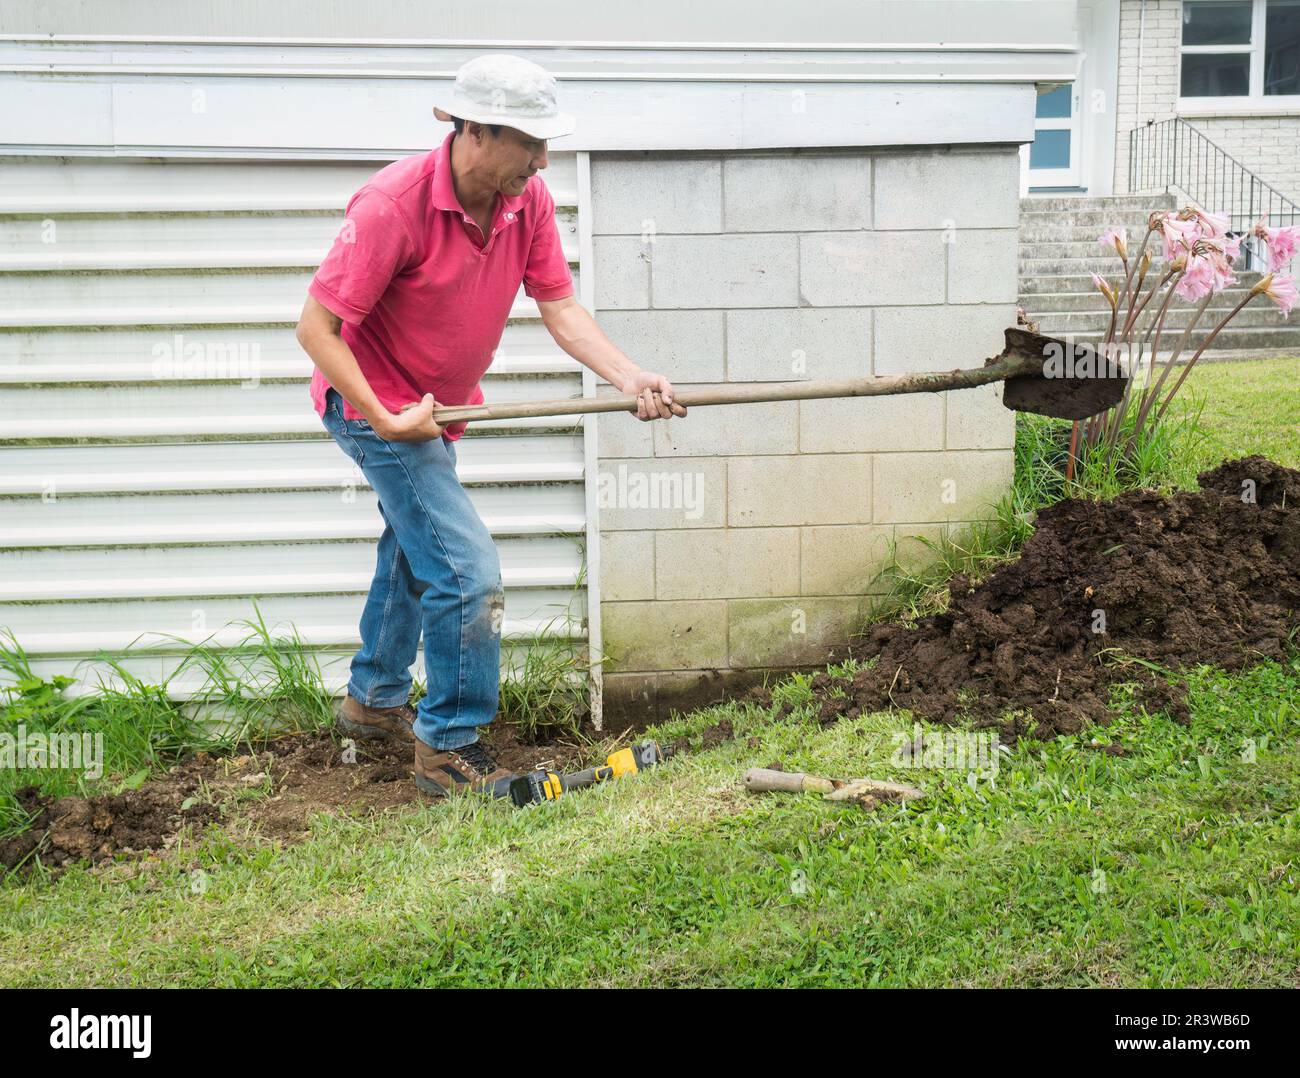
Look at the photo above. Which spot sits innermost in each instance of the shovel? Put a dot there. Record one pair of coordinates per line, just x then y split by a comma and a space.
1044, 375
865, 792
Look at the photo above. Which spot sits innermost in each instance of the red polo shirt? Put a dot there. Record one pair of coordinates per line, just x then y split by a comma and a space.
423, 299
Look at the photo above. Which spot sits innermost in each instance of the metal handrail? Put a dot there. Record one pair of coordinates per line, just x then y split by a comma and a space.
1172, 153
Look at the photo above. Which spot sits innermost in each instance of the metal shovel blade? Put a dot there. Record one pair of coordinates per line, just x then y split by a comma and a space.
1065, 379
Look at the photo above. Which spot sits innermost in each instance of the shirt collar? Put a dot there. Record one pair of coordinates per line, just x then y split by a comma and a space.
444, 191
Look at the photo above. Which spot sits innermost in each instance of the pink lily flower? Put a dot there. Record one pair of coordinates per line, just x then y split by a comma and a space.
1215, 251
1282, 243
1179, 233
1099, 282
1212, 224
1199, 279
1222, 269
1117, 239
1280, 288
1282, 291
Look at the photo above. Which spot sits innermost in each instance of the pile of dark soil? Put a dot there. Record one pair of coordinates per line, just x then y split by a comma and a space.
70, 829
1211, 576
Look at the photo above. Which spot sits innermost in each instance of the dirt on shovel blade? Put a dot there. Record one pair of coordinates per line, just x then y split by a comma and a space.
1211, 576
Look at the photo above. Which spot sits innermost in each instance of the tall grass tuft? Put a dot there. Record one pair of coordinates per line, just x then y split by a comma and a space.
548, 695
266, 684
1160, 456
141, 729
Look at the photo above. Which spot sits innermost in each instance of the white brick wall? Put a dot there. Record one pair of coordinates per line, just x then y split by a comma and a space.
779, 267
1153, 96
1269, 146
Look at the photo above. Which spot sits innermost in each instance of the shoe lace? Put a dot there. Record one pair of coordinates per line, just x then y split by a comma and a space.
478, 758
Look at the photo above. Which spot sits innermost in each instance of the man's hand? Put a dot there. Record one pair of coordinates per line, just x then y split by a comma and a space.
414, 423
655, 395
574, 330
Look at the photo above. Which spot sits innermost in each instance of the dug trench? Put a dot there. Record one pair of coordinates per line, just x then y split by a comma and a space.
1207, 576
271, 789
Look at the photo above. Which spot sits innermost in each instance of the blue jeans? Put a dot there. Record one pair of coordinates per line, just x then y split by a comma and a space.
437, 571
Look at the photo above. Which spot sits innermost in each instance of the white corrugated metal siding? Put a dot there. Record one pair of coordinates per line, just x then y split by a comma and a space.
160, 461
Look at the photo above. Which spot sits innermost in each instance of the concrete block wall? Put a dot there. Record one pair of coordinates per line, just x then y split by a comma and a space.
745, 538
1267, 145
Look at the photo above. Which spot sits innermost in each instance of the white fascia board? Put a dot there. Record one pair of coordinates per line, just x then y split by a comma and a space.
251, 117
436, 62
295, 99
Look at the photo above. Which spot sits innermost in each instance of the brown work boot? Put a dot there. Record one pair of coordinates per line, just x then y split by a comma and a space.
357, 720
439, 772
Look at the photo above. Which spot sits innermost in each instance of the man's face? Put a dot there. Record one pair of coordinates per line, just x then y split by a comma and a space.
511, 158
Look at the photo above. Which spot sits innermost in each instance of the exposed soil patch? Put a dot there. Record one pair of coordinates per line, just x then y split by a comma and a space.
90, 829
273, 791
709, 738
1203, 577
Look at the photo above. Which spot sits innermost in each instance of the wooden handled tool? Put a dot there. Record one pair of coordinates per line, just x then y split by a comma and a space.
1044, 375
763, 780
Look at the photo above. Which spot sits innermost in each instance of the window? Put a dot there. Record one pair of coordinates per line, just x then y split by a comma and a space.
1241, 49
1282, 48
1051, 145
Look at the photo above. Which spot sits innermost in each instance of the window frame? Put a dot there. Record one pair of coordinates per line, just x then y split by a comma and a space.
1252, 103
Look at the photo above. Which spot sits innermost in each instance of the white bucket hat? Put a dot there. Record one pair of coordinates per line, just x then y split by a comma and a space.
502, 89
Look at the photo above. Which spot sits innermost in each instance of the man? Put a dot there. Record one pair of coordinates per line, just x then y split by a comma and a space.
402, 316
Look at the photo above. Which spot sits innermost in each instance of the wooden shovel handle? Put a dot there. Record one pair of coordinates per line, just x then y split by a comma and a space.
752, 393
763, 780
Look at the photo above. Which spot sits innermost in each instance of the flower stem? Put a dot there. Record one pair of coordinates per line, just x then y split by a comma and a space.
1204, 345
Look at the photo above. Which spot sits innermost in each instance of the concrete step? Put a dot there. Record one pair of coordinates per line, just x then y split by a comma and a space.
1110, 268
1285, 340
1107, 265
1059, 252
1056, 230
1098, 219
1078, 237
1034, 260
1134, 203
1089, 301
1065, 283
1077, 321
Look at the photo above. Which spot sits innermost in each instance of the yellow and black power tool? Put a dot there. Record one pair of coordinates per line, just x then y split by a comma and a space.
539, 786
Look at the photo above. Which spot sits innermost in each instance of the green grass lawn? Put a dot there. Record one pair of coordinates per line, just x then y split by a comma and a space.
1175, 864
1178, 864
1251, 407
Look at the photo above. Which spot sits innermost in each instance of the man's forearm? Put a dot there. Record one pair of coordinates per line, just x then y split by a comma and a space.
577, 333
318, 333
339, 365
